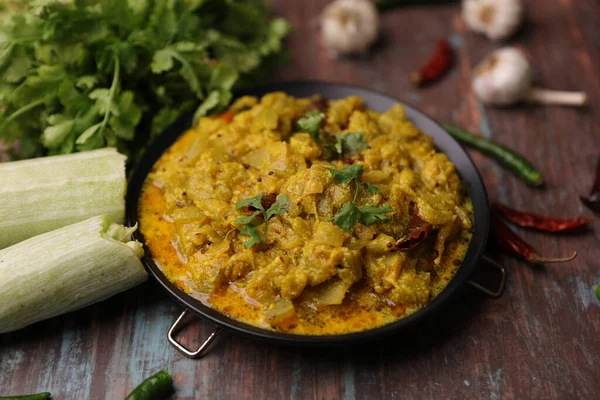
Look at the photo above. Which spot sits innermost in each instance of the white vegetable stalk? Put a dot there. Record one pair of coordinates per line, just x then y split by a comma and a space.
349, 26
497, 19
505, 78
43, 194
65, 270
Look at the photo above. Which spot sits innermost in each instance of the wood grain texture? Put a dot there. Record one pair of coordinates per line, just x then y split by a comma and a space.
540, 340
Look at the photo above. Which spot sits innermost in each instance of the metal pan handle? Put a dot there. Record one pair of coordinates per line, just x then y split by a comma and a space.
499, 289
177, 326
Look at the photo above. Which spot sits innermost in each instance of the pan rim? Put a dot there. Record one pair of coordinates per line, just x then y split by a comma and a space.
467, 170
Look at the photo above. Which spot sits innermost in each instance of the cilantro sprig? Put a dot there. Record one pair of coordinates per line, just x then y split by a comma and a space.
350, 213
311, 123
337, 145
79, 75
349, 144
279, 207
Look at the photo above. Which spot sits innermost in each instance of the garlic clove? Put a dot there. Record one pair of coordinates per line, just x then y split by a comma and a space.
349, 26
503, 78
497, 19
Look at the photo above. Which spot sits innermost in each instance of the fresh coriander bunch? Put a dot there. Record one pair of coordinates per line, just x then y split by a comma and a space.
78, 75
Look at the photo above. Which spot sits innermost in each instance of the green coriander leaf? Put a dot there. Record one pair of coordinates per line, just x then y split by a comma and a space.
369, 215
212, 100
371, 188
347, 217
127, 56
252, 231
352, 143
72, 55
348, 174
59, 128
189, 74
6, 51
139, 7
121, 128
247, 220
128, 110
224, 77
279, 207
187, 47
88, 134
25, 28
104, 102
163, 21
95, 141
86, 82
278, 29
18, 66
162, 61
338, 147
598, 291
255, 202
312, 124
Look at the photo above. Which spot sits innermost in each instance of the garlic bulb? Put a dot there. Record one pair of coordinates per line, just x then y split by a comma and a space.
349, 26
505, 78
497, 19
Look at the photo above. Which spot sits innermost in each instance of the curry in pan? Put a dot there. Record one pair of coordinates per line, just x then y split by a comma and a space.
307, 216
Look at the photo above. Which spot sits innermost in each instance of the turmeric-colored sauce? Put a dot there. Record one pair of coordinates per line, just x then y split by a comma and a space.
310, 273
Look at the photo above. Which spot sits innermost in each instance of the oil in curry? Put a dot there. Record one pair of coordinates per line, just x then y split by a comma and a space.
310, 276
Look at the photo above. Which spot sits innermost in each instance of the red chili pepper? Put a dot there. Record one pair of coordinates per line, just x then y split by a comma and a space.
439, 63
227, 116
418, 230
516, 246
593, 199
541, 222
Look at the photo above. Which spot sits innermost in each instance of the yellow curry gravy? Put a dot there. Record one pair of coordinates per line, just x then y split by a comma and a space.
311, 276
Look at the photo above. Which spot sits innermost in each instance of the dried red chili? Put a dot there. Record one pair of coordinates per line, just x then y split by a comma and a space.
516, 246
417, 232
437, 65
541, 222
227, 116
592, 200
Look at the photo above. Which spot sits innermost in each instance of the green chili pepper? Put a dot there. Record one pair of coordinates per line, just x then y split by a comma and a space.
157, 387
387, 4
37, 396
505, 156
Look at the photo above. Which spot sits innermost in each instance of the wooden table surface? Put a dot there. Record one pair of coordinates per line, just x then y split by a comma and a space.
541, 340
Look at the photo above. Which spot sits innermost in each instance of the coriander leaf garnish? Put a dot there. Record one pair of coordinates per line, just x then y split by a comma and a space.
255, 202
349, 144
312, 124
348, 174
249, 229
349, 214
369, 215
279, 207
371, 188
252, 231
346, 217
247, 220
366, 215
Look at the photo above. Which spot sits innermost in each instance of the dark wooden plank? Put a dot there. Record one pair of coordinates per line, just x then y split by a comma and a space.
540, 340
